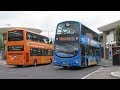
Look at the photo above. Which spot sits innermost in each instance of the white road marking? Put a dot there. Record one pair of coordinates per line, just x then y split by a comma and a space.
2, 63
10, 66
115, 74
91, 73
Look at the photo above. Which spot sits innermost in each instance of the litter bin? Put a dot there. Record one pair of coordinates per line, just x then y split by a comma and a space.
116, 59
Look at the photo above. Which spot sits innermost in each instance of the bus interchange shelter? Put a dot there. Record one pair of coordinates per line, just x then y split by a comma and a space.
110, 39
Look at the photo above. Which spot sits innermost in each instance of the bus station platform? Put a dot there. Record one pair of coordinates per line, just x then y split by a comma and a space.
2, 62
115, 74
109, 62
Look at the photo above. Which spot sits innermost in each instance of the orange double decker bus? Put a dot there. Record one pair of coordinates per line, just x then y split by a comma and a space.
24, 47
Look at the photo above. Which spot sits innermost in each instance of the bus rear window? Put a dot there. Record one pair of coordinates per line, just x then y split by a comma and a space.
16, 48
15, 35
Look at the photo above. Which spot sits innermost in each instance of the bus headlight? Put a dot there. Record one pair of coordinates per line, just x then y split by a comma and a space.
76, 38
76, 61
56, 38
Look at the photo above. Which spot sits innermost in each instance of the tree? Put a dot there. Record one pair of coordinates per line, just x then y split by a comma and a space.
100, 37
118, 35
1, 43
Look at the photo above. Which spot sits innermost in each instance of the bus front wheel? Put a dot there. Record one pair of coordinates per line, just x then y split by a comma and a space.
65, 67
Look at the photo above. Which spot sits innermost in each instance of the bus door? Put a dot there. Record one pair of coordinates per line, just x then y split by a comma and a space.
82, 55
27, 57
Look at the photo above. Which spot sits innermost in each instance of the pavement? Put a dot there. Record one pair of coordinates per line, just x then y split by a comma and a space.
2, 62
107, 63
115, 74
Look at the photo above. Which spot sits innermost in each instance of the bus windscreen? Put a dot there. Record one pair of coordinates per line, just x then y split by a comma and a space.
68, 28
66, 49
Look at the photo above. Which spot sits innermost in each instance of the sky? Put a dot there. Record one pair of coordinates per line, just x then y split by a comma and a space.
48, 20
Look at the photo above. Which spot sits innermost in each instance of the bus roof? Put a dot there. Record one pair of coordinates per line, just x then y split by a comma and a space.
27, 31
69, 21
79, 23
5, 29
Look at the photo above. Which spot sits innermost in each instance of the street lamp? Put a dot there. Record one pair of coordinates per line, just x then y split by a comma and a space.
8, 24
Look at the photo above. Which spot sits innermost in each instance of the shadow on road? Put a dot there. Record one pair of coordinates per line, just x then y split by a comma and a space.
76, 68
29, 66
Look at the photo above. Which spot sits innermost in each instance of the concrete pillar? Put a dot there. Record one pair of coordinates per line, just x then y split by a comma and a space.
115, 37
110, 51
104, 44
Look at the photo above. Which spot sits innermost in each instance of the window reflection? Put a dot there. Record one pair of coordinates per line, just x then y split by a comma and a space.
16, 35
39, 38
72, 29
66, 49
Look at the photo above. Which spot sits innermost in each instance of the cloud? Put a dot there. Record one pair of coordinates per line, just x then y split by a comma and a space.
4, 15
48, 20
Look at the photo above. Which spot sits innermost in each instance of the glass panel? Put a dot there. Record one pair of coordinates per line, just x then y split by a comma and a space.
15, 48
66, 49
38, 38
89, 33
15, 35
68, 28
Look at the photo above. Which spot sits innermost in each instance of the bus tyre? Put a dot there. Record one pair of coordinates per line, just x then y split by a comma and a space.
65, 67
86, 63
50, 60
19, 65
35, 62
96, 62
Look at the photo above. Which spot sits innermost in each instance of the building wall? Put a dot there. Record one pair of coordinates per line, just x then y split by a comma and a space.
109, 34
104, 44
108, 38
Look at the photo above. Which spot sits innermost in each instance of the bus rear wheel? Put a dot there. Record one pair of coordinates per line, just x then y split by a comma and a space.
35, 63
50, 60
86, 63
19, 65
96, 62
